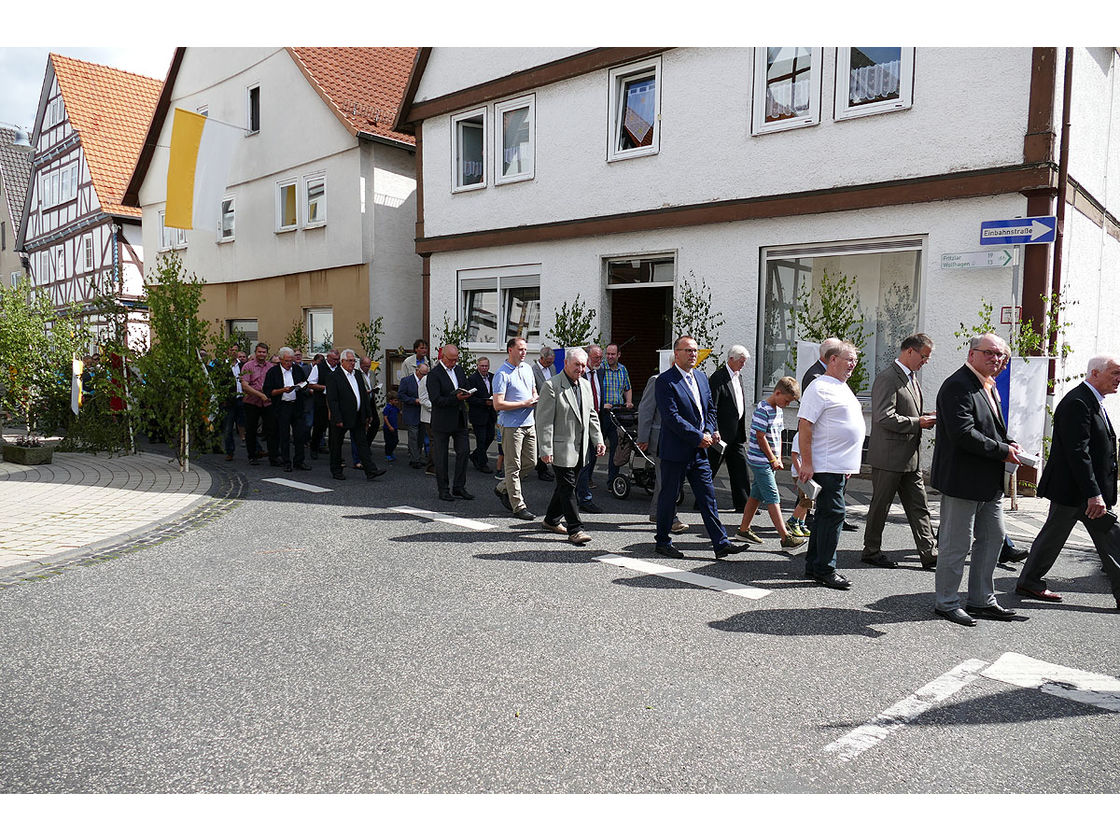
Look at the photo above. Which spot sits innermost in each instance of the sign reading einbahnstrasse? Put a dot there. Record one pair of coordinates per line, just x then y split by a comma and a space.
979, 259
1033, 230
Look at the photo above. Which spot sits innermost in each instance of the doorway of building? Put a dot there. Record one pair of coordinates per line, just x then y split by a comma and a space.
641, 302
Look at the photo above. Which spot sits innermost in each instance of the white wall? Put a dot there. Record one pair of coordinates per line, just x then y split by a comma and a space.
969, 112
1094, 156
450, 69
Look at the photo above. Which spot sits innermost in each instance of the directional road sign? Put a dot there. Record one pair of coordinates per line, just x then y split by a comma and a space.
979, 259
1033, 230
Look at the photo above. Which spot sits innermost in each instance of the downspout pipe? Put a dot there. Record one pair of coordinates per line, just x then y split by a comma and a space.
1060, 213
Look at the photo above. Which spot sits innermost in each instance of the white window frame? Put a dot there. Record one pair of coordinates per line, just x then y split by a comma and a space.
474, 279
456, 187
759, 124
280, 187
321, 206
88, 256
222, 235
617, 78
844, 111
170, 239
500, 110
256, 86
308, 317
16, 277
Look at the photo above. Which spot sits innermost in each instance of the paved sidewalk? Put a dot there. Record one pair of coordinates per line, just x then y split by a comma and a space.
81, 503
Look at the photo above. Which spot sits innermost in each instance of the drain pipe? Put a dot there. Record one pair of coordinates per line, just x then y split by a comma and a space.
1059, 235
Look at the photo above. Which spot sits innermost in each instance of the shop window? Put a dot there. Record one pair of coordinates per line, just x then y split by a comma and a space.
887, 279
498, 305
873, 80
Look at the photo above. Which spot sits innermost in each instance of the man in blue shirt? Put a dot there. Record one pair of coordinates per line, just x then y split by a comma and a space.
515, 395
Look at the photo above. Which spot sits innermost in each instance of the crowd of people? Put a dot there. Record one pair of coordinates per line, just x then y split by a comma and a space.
559, 422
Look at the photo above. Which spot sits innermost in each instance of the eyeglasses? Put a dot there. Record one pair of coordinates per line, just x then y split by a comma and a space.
991, 354
687, 350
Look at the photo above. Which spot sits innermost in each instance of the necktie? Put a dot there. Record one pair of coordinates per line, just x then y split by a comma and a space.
595, 388
737, 389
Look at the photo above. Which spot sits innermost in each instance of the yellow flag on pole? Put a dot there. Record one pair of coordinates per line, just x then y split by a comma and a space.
198, 171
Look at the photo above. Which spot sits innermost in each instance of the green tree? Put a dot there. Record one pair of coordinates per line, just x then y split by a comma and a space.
833, 309
296, 337
573, 325
693, 315
455, 333
175, 391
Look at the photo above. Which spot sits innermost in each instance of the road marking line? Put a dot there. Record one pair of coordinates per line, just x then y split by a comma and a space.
472, 524
1080, 686
878, 728
685, 577
298, 485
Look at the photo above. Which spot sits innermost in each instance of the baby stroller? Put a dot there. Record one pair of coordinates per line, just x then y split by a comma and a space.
627, 455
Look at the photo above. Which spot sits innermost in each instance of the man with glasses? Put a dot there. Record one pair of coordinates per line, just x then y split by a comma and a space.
898, 417
969, 454
688, 428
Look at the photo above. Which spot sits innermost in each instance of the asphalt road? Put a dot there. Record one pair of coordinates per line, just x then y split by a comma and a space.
327, 643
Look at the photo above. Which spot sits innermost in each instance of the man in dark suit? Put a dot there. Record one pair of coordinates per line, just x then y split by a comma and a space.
1080, 482
969, 454
283, 384
688, 427
349, 409
898, 417
317, 380
732, 419
480, 407
447, 391
408, 392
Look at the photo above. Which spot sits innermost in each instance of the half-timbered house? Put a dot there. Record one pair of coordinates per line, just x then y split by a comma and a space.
80, 239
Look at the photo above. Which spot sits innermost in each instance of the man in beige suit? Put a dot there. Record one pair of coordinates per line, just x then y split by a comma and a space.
897, 421
567, 426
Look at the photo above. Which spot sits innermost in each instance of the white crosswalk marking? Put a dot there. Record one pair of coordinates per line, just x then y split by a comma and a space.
1097, 690
685, 577
298, 485
472, 524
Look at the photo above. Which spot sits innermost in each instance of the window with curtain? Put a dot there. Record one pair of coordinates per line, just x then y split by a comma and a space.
872, 80
470, 150
787, 88
515, 121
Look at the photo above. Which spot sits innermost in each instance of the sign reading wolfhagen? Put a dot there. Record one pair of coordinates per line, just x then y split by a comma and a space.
980, 259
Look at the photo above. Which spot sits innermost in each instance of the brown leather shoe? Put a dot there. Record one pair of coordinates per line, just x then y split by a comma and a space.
1038, 594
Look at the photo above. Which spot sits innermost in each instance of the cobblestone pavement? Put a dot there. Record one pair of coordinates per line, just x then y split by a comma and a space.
81, 506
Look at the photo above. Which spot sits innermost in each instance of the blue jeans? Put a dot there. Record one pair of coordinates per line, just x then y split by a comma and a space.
820, 559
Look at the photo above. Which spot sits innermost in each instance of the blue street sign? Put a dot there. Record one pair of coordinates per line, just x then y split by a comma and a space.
1033, 230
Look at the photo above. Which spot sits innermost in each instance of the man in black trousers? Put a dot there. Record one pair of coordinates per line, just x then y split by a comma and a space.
349, 407
284, 385
482, 415
447, 391
1080, 482
733, 418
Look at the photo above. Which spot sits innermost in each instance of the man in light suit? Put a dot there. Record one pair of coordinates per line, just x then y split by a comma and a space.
1080, 481
688, 427
447, 390
969, 454
897, 420
408, 392
649, 433
567, 428
349, 410
732, 420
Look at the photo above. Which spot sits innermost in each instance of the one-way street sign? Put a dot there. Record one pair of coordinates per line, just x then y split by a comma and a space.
1033, 230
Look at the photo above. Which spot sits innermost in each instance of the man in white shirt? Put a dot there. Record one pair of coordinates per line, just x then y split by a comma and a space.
732, 420
830, 427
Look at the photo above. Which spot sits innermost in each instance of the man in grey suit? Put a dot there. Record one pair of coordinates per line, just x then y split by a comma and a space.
567, 428
897, 420
649, 431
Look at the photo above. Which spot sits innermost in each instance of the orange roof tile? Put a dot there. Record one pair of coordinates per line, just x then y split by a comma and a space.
111, 110
364, 86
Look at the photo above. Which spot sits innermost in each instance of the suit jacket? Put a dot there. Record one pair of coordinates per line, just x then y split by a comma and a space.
812, 373
649, 419
896, 409
325, 374
341, 403
600, 374
274, 378
682, 423
732, 427
541, 374
972, 441
565, 428
449, 413
1082, 462
479, 411
408, 392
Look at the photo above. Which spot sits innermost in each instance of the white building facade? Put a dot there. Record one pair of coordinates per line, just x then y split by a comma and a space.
620, 174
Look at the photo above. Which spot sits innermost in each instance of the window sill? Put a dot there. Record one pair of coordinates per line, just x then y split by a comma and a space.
292, 229
315, 225
786, 125
469, 188
516, 179
645, 151
871, 110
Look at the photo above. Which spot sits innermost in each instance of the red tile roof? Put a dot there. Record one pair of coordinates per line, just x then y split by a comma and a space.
111, 110
364, 86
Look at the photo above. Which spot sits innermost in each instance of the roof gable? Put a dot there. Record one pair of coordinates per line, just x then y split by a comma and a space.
15, 172
110, 110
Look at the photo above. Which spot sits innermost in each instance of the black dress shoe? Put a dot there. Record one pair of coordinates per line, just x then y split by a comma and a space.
544, 476
590, 507
730, 548
254, 462
302, 467
957, 616
485, 468
523, 514
462, 494
339, 476
995, 612
375, 471
669, 551
849, 526
287, 468
504, 498
833, 581
929, 561
446, 497
1012, 555
881, 560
